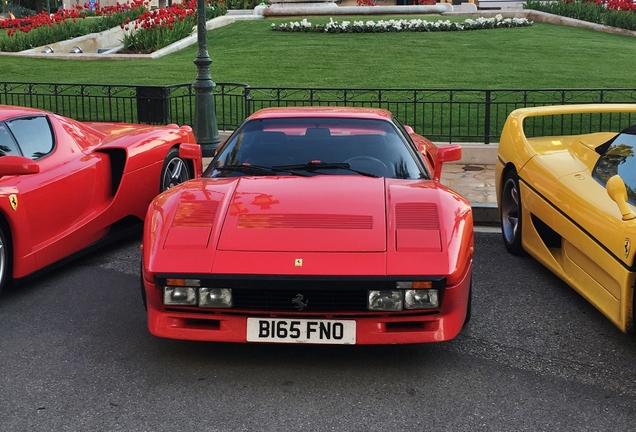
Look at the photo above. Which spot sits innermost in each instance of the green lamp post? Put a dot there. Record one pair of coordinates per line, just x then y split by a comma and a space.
205, 128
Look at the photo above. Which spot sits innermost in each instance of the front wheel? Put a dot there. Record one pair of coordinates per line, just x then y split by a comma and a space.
5, 257
175, 170
511, 213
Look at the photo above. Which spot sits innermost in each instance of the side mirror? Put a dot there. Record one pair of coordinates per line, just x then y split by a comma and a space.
447, 153
17, 165
193, 152
618, 193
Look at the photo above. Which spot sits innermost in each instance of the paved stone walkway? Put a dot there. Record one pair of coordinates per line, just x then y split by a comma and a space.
475, 182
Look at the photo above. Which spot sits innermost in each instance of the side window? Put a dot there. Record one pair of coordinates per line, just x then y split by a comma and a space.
8, 146
619, 159
33, 134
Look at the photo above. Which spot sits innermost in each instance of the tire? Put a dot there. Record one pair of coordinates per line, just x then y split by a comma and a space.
174, 171
511, 213
6, 265
143, 288
469, 308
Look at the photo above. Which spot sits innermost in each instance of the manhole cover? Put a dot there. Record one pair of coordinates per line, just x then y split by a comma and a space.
473, 168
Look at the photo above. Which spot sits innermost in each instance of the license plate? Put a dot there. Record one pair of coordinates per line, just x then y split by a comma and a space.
301, 331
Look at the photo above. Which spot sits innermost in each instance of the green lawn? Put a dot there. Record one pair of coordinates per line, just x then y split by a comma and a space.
541, 56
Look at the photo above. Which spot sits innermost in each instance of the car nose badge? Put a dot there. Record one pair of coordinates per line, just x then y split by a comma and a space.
299, 303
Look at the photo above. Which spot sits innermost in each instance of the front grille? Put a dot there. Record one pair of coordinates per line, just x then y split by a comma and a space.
276, 299
317, 295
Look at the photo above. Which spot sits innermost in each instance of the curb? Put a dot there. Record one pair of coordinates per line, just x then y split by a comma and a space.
485, 214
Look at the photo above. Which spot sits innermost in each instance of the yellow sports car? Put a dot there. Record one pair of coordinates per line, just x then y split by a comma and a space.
566, 192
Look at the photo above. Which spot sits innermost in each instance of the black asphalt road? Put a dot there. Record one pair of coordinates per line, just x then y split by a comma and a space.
75, 355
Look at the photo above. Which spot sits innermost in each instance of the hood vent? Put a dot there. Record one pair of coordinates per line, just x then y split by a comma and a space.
305, 221
195, 214
416, 216
417, 228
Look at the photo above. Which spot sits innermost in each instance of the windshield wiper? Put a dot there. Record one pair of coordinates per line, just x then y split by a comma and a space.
256, 169
318, 165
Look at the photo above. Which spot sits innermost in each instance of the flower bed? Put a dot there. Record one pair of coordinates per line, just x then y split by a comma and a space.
414, 25
149, 30
43, 28
159, 28
613, 13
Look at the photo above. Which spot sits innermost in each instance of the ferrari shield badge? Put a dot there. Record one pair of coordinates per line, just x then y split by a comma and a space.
298, 262
13, 200
627, 246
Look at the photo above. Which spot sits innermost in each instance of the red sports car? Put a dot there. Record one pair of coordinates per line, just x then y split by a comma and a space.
312, 225
67, 186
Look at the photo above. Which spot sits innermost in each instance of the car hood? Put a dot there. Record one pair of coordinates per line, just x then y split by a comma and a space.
263, 225
303, 214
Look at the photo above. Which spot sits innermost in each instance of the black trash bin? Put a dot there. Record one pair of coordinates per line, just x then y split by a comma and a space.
152, 104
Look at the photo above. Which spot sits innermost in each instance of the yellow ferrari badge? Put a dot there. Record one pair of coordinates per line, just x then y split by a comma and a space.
13, 200
298, 262
627, 246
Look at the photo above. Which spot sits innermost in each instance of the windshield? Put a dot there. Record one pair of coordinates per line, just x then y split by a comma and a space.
619, 159
320, 146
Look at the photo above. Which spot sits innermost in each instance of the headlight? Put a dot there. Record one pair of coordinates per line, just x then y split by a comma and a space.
421, 299
176, 295
188, 292
215, 297
385, 300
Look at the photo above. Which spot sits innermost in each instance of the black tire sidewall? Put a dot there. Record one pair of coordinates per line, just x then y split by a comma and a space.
515, 247
5, 278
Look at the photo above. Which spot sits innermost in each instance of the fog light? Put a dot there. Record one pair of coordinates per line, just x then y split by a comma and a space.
385, 300
421, 299
215, 297
184, 296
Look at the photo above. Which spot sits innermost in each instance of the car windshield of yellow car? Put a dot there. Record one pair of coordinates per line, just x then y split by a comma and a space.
619, 159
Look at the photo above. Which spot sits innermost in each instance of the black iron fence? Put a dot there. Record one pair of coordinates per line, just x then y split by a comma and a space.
442, 115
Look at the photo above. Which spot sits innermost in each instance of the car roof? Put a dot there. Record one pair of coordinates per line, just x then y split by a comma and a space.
10, 111
321, 111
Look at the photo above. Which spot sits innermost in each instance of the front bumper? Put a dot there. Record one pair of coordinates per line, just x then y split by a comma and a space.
371, 327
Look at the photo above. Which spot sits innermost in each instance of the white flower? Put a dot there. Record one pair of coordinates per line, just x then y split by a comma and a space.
404, 25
